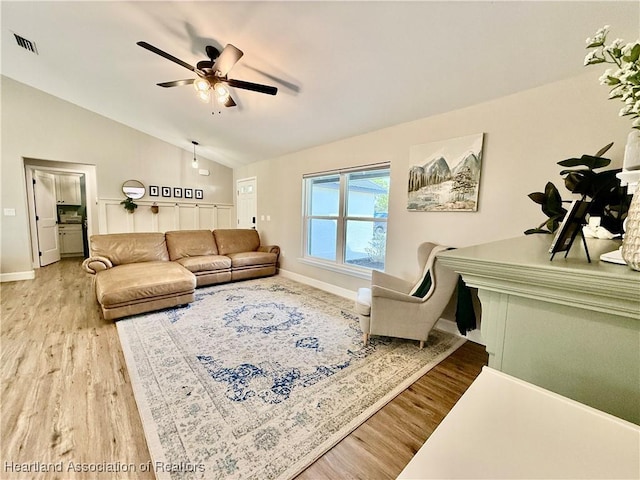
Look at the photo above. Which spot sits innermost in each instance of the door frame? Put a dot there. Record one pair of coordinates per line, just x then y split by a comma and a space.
255, 180
52, 166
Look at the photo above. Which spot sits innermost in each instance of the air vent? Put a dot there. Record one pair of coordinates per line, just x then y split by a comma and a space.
26, 44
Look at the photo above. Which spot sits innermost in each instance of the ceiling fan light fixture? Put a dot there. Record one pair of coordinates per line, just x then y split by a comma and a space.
204, 96
222, 92
201, 85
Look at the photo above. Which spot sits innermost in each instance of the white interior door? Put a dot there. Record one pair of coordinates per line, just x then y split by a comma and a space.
246, 202
44, 193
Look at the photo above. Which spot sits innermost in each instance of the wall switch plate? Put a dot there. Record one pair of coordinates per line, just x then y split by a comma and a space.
262, 217
268, 218
9, 212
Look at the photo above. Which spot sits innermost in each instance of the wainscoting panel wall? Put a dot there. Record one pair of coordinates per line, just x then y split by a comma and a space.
171, 216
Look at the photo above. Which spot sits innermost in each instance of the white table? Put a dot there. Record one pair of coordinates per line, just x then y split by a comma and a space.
504, 427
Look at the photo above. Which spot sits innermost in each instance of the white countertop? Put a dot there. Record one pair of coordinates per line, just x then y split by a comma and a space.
505, 428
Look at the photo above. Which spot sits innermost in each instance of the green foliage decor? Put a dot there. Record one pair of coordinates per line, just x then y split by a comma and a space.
129, 205
608, 199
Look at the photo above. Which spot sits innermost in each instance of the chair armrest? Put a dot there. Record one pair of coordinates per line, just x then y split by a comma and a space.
94, 265
377, 291
269, 249
390, 282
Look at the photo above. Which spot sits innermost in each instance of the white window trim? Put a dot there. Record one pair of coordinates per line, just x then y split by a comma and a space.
338, 265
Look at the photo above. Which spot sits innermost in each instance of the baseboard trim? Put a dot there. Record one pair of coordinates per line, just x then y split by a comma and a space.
17, 276
443, 324
327, 287
450, 326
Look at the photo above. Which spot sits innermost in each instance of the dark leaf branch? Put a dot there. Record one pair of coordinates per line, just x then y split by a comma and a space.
608, 199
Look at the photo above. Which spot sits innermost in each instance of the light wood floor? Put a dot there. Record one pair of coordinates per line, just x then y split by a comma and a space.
66, 395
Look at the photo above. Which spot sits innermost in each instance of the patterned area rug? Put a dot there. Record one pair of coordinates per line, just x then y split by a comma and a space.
257, 379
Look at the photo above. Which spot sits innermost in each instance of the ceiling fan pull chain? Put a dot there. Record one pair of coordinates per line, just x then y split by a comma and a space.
213, 102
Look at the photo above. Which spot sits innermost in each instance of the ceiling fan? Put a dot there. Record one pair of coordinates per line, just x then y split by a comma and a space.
212, 74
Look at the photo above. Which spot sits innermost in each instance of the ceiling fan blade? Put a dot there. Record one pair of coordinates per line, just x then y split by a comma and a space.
227, 59
177, 83
255, 87
229, 102
166, 55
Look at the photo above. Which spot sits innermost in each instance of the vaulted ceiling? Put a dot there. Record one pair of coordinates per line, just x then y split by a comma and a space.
342, 68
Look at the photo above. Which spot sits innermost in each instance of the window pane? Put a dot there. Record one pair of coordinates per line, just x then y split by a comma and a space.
365, 244
324, 195
322, 238
368, 194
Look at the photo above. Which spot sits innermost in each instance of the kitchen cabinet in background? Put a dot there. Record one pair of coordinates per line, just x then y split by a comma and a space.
68, 189
70, 240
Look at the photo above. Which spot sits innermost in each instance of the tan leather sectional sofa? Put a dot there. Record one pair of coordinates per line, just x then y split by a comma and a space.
142, 272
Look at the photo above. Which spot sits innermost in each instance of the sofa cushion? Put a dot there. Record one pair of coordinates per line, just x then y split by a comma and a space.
190, 243
123, 248
127, 283
205, 263
236, 240
250, 259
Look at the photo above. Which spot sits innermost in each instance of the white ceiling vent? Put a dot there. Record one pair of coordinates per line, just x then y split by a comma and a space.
26, 44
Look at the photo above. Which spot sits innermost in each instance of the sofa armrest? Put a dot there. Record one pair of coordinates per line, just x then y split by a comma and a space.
94, 265
269, 249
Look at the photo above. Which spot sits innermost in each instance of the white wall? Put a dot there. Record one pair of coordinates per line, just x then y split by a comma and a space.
525, 135
36, 125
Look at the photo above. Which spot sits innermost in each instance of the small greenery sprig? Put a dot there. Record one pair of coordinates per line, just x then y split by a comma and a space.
625, 80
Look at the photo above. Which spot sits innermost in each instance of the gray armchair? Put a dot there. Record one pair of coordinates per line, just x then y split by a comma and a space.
394, 307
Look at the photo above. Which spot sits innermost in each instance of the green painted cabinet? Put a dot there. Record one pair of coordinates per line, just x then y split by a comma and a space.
566, 325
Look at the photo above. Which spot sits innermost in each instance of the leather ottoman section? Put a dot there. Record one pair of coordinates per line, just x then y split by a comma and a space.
205, 263
250, 259
145, 281
147, 305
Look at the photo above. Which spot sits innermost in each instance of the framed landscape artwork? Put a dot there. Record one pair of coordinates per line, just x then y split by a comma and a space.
445, 176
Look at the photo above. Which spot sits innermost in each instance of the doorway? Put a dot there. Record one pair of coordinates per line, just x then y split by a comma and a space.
60, 215
247, 206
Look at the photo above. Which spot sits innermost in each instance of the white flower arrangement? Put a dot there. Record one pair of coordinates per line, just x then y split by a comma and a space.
625, 80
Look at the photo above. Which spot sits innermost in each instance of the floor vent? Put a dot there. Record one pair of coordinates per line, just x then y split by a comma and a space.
26, 44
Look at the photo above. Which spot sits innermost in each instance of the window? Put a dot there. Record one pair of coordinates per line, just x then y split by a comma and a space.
345, 217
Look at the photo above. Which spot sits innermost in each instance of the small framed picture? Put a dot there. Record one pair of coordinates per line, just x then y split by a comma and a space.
570, 227
188, 193
199, 194
177, 192
166, 191
154, 191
